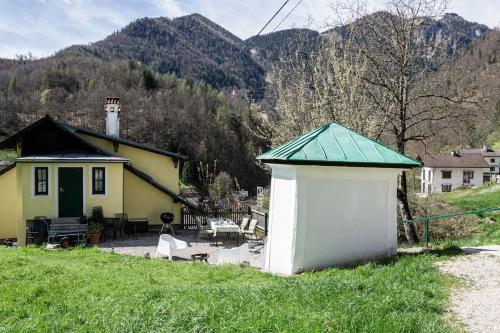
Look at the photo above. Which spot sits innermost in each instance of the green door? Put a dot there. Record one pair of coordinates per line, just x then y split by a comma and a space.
70, 192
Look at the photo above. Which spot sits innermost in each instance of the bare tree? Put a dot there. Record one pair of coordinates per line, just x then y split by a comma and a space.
399, 60
376, 73
313, 88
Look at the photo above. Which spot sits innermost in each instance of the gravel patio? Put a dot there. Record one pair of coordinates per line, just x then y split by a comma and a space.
145, 245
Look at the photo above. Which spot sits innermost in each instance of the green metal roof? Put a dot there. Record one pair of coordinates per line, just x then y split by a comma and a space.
333, 144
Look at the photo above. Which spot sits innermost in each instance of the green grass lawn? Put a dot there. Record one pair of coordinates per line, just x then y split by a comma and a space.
85, 290
483, 232
486, 196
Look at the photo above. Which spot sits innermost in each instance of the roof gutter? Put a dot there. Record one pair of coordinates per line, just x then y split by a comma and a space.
342, 164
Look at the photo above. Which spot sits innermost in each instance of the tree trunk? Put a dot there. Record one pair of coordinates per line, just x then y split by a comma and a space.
404, 208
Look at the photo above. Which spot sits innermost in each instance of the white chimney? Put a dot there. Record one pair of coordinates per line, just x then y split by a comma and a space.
112, 109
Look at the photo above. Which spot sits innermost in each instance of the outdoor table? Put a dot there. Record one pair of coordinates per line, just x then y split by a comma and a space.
227, 226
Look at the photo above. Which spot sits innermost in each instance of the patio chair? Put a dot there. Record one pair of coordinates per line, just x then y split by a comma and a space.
169, 246
251, 229
120, 225
202, 231
234, 256
244, 224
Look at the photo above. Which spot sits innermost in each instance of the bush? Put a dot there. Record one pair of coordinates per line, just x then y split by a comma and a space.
222, 187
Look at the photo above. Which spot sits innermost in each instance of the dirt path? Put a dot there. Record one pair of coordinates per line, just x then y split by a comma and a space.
477, 304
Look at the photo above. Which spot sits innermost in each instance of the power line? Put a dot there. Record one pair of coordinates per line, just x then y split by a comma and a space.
284, 18
249, 41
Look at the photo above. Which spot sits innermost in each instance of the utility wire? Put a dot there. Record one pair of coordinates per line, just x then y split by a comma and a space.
265, 26
249, 41
284, 18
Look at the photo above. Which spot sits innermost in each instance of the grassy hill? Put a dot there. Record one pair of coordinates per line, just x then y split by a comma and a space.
465, 230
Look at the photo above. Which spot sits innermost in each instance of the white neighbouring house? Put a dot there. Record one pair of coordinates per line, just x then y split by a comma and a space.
491, 156
445, 172
332, 201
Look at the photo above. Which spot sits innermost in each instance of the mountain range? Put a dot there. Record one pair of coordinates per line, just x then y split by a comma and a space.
194, 47
159, 67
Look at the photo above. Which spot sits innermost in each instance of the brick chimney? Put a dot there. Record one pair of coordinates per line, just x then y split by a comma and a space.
112, 109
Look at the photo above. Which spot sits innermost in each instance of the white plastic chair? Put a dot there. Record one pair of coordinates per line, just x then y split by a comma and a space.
169, 246
235, 256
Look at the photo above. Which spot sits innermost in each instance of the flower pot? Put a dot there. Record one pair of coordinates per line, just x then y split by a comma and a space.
94, 238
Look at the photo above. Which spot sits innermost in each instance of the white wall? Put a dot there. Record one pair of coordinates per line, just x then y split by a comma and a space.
324, 216
495, 164
283, 214
456, 180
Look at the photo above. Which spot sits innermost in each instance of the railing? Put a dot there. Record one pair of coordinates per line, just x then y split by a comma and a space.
426, 220
234, 213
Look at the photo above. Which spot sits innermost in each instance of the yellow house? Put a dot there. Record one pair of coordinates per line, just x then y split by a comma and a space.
65, 171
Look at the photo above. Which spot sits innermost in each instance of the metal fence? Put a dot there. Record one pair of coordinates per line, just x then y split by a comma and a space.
235, 213
427, 219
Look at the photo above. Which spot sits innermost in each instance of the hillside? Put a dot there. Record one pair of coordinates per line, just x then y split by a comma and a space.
190, 46
480, 63
268, 48
160, 110
158, 65
447, 36
194, 47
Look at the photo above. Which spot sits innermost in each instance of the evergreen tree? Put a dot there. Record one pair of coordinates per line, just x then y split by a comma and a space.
148, 80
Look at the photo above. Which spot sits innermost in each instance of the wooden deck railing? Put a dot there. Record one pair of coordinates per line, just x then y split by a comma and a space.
235, 213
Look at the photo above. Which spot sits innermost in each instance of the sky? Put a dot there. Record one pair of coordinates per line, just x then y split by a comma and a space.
42, 27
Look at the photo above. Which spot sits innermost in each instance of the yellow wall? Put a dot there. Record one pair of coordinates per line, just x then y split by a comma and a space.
145, 201
8, 204
31, 205
158, 166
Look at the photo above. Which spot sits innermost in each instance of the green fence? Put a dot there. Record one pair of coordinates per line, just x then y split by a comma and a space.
426, 220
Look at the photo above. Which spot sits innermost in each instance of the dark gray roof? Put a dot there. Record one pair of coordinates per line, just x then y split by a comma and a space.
81, 130
486, 153
447, 160
5, 168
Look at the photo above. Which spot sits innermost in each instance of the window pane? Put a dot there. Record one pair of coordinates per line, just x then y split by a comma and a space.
98, 181
41, 180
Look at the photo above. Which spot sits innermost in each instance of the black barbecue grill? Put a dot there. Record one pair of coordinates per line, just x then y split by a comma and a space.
167, 219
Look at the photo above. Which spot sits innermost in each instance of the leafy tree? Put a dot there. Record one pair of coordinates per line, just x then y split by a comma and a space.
148, 80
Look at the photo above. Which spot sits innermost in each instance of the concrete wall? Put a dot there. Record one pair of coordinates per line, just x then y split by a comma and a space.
8, 204
456, 180
283, 219
325, 216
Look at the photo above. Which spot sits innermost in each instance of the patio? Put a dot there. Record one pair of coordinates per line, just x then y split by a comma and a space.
145, 245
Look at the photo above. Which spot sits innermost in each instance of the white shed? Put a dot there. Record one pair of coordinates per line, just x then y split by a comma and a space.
333, 200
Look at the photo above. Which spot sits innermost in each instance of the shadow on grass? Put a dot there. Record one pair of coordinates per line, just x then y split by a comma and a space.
448, 250
443, 251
